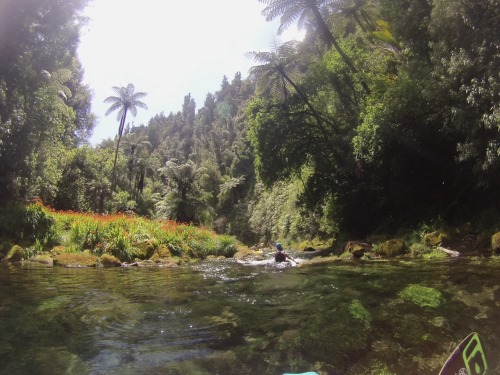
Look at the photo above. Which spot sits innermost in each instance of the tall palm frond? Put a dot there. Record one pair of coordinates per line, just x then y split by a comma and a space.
56, 85
302, 11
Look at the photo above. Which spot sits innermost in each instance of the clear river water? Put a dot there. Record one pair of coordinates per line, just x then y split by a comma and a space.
228, 317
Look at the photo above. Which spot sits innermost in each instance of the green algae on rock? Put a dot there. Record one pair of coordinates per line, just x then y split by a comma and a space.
422, 295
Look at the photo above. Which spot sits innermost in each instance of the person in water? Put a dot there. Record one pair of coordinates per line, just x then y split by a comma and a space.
280, 255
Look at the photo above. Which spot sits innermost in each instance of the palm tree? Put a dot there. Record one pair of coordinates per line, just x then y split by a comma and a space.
355, 11
186, 199
276, 69
127, 100
302, 11
275, 73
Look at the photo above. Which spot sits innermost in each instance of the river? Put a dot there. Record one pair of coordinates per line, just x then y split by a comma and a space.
225, 317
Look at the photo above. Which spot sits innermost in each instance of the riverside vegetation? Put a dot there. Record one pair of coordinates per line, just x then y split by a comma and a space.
75, 239
40, 234
382, 125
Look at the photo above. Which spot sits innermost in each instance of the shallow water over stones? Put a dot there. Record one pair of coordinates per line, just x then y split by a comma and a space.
225, 317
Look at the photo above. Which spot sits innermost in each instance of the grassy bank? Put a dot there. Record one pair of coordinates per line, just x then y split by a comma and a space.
37, 229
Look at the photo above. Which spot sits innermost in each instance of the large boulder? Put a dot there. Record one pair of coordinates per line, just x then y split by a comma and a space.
356, 248
392, 248
436, 238
145, 249
495, 243
108, 260
16, 254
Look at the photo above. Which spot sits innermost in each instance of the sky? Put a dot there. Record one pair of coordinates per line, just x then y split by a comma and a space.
168, 49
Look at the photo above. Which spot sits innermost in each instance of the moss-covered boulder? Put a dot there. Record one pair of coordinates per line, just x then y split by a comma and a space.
356, 248
243, 252
59, 249
76, 260
145, 249
392, 248
108, 260
315, 244
16, 254
436, 238
162, 252
495, 243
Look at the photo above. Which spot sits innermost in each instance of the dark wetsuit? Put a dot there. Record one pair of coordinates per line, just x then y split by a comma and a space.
279, 256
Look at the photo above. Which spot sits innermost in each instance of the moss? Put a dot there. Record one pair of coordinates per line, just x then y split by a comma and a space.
54, 304
418, 250
108, 260
16, 254
146, 249
314, 244
75, 260
392, 248
435, 238
56, 250
243, 252
495, 243
435, 254
162, 252
358, 311
346, 255
43, 259
421, 295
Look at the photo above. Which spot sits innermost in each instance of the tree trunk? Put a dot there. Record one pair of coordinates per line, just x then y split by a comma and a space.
120, 132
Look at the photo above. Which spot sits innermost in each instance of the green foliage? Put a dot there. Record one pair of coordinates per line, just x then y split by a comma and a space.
281, 146
119, 243
124, 236
38, 73
386, 115
186, 201
32, 224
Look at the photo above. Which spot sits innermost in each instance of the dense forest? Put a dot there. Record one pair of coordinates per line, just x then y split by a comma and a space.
386, 115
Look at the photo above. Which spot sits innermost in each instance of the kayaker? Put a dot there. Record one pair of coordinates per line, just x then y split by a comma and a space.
280, 255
